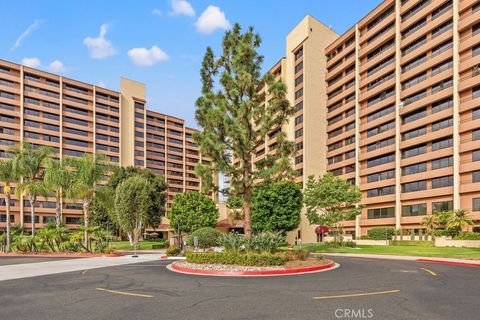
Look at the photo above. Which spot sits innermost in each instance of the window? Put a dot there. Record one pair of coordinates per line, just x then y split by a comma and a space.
410, 13
442, 206
442, 105
139, 106
350, 140
414, 186
299, 53
476, 113
476, 176
476, 204
299, 106
414, 151
442, 182
384, 175
442, 163
333, 133
415, 168
381, 213
299, 67
76, 142
299, 119
334, 119
414, 210
299, 80
77, 132
350, 154
335, 146
417, 114
350, 126
442, 67
414, 133
298, 159
381, 128
381, 160
442, 85
442, 143
476, 134
378, 192
414, 27
414, 45
442, 29
441, 10
414, 80
415, 97
381, 17
337, 172
381, 113
76, 121
413, 63
442, 48
385, 62
72, 220
335, 159
28, 219
381, 144
476, 155
445, 123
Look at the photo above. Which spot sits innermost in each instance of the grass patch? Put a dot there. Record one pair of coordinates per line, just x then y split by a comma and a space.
125, 245
409, 250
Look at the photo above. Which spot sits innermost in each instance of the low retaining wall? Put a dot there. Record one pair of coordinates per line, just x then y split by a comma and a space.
443, 242
372, 242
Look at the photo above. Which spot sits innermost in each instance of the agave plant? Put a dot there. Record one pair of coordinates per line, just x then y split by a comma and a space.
232, 242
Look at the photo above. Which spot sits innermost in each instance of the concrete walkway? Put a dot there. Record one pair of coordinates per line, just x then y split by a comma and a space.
409, 258
27, 270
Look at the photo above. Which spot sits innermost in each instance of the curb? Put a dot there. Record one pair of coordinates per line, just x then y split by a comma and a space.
175, 268
454, 263
54, 255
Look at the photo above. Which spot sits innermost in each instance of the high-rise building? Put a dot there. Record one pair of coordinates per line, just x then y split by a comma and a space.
393, 106
76, 118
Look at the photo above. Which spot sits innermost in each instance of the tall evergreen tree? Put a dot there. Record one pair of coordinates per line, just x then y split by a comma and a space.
235, 118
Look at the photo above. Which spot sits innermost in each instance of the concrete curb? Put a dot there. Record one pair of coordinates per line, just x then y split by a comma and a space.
61, 255
450, 261
266, 273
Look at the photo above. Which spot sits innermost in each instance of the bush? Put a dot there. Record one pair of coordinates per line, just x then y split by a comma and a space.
235, 258
338, 244
162, 244
207, 237
292, 255
173, 251
232, 242
379, 233
468, 236
445, 233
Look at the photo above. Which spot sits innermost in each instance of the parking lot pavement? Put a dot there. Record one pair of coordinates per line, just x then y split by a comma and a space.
360, 288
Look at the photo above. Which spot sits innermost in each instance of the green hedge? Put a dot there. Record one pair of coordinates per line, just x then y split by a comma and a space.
412, 243
242, 259
468, 236
207, 237
379, 233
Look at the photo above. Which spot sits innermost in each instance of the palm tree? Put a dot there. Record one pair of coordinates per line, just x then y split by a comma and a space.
7, 176
29, 163
90, 170
430, 222
458, 220
58, 180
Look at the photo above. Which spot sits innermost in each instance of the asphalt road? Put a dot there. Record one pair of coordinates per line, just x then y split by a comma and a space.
394, 290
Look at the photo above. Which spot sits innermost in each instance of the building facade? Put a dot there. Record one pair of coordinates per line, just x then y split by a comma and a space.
76, 118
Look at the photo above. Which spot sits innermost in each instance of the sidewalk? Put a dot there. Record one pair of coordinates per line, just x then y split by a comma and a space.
19, 271
465, 262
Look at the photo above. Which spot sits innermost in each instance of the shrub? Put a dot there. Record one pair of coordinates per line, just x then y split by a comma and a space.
423, 243
231, 242
337, 244
468, 236
267, 241
292, 255
445, 233
162, 244
207, 237
173, 251
381, 233
235, 258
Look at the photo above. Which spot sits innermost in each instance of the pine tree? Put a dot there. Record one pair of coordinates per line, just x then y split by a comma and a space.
235, 119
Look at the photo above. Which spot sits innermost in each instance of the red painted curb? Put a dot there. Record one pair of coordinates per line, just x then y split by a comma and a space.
59, 255
464, 264
252, 273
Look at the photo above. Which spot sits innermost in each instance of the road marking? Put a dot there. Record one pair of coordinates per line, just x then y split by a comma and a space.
357, 294
126, 293
429, 271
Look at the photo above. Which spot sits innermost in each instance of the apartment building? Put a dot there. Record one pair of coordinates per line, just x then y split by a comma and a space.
403, 111
303, 71
76, 118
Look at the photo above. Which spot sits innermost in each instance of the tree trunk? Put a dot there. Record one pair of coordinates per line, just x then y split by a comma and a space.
58, 213
9, 240
32, 216
130, 238
248, 218
86, 223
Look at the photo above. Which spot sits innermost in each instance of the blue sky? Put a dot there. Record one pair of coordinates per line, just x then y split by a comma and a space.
158, 42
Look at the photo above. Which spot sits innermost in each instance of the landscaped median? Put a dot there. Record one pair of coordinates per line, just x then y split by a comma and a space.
251, 264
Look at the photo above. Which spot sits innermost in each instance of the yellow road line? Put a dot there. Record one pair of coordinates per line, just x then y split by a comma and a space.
357, 294
429, 271
126, 293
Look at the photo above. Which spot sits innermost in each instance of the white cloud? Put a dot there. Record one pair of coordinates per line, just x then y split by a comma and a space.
147, 57
26, 33
100, 47
181, 7
157, 12
212, 19
31, 62
101, 84
56, 66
